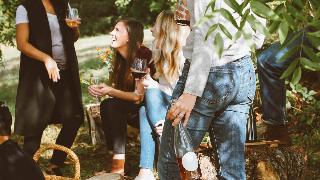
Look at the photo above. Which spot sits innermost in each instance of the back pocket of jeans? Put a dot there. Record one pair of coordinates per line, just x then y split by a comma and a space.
219, 87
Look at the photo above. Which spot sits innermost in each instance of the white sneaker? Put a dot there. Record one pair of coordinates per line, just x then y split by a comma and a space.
148, 176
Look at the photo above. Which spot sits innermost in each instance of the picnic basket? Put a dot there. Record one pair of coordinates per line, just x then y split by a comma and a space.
73, 157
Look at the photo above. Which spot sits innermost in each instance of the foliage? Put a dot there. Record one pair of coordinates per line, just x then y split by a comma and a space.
304, 117
101, 72
7, 25
99, 16
298, 17
145, 11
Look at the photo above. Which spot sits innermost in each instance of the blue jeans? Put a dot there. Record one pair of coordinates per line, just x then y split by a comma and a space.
272, 88
155, 109
223, 111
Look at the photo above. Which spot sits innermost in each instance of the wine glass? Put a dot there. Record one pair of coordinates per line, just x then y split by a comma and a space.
181, 19
72, 15
96, 81
139, 69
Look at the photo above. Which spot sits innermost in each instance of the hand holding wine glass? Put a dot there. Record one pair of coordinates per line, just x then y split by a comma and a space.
72, 19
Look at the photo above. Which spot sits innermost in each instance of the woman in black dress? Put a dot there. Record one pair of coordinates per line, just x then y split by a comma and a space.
49, 85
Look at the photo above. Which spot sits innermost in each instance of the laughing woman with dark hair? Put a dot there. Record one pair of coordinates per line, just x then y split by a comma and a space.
123, 105
49, 84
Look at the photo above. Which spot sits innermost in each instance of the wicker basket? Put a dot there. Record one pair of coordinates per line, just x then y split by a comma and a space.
70, 153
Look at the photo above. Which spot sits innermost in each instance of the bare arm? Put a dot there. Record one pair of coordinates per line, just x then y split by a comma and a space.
103, 89
129, 96
23, 45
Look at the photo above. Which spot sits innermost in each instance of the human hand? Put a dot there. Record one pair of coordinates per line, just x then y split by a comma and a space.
99, 90
148, 82
140, 88
52, 69
159, 127
181, 108
73, 23
182, 13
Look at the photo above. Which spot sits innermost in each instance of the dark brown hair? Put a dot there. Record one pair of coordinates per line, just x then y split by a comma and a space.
5, 120
121, 75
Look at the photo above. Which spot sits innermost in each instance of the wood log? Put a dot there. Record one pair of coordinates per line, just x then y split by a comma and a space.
263, 162
95, 124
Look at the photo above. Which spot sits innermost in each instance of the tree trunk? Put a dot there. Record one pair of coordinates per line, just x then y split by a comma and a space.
262, 163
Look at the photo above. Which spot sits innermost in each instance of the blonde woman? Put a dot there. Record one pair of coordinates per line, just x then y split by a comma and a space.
168, 60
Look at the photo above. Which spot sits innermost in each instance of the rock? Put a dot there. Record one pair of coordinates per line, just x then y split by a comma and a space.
107, 176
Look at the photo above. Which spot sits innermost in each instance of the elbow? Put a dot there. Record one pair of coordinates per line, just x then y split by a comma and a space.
21, 46
137, 98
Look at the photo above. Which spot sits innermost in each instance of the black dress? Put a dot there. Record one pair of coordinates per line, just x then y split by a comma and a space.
37, 102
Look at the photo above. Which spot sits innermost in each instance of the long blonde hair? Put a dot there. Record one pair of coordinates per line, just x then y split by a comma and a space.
168, 43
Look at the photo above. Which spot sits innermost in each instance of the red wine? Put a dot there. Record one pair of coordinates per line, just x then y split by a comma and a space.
138, 74
183, 22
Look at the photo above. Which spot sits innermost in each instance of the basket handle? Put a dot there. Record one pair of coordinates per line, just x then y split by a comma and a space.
74, 157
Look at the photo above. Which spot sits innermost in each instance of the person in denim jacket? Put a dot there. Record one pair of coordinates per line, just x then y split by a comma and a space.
212, 94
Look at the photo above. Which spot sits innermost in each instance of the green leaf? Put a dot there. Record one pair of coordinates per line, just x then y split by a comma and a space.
288, 54
290, 69
313, 66
211, 29
263, 10
244, 4
274, 26
315, 34
251, 21
280, 9
244, 19
225, 31
257, 26
211, 5
204, 19
295, 12
315, 41
218, 45
289, 20
236, 36
234, 5
295, 37
283, 31
226, 14
311, 54
296, 76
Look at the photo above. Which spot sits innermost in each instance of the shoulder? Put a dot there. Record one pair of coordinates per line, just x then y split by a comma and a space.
21, 9
21, 15
144, 52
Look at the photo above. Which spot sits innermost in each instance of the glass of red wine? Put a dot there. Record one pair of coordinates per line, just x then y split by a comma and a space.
139, 69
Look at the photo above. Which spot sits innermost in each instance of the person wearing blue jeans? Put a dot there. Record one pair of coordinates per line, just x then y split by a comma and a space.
223, 111
214, 93
150, 117
273, 89
168, 60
